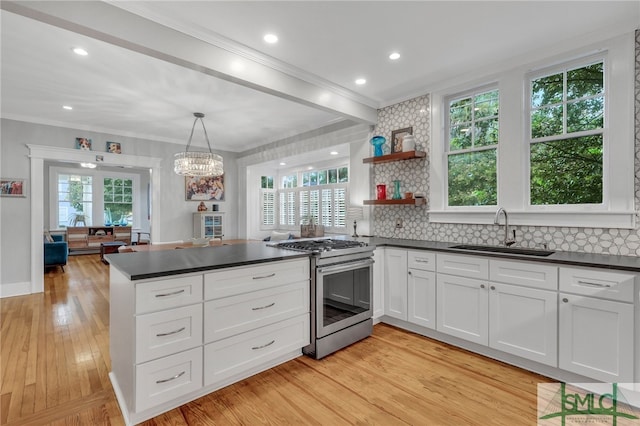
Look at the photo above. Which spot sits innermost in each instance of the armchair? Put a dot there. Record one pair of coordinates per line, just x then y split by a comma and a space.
56, 253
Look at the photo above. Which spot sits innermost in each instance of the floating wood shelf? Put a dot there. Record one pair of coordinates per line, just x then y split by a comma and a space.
399, 156
405, 201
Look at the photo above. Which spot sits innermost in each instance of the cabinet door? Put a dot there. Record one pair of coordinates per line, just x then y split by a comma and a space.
395, 283
462, 306
422, 298
378, 282
596, 338
523, 321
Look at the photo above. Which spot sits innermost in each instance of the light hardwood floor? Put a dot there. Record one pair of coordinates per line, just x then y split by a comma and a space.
55, 364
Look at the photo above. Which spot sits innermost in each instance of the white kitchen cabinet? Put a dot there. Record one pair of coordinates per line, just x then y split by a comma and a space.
421, 300
178, 338
395, 283
523, 321
378, 282
208, 225
597, 335
463, 308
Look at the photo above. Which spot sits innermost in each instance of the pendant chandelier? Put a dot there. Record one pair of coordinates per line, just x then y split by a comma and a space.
198, 163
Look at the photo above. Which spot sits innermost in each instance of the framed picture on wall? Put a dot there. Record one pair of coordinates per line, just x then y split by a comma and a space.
209, 188
114, 147
13, 187
396, 138
83, 144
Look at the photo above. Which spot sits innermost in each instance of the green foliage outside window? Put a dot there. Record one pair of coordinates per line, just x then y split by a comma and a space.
565, 169
473, 136
118, 201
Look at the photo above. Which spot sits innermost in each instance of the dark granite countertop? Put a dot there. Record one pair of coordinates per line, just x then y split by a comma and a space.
623, 263
153, 264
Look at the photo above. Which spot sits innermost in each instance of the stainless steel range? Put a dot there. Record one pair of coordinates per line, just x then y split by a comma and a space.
341, 292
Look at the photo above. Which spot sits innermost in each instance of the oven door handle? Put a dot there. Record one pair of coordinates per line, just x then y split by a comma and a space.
344, 266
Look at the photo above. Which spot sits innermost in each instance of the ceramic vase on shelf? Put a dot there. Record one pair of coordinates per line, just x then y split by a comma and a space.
378, 142
381, 192
408, 143
396, 190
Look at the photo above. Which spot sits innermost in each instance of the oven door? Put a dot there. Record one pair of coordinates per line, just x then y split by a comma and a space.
343, 295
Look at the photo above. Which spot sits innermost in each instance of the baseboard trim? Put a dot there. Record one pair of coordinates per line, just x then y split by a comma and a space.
15, 289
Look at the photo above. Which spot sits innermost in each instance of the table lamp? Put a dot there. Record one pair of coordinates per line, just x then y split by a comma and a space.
355, 213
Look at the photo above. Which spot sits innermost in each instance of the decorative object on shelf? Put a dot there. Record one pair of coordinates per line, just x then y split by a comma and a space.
83, 144
396, 190
378, 142
13, 187
355, 213
198, 163
114, 147
397, 137
204, 188
408, 195
408, 143
381, 192
215, 207
420, 195
202, 207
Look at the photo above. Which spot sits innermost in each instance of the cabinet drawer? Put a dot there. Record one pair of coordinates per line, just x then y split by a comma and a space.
164, 294
463, 266
534, 275
230, 282
166, 332
237, 314
168, 378
423, 260
238, 354
598, 283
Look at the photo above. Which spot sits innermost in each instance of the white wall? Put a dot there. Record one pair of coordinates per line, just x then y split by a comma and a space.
15, 232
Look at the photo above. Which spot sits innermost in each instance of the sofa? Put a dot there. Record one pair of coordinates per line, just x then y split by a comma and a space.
56, 252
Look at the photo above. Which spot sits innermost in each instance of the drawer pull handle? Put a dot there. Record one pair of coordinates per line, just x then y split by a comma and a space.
493, 287
171, 332
265, 276
565, 300
263, 307
171, 378
255, 348
481, 285
588, 284
170, 294
421, 260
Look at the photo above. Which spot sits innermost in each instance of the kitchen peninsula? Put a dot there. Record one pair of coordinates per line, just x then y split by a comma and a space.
187, 322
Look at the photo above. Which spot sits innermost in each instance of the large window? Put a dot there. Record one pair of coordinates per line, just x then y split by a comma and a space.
562, 153
75, 200
118, 201
93, 198
472, 144
320, 198
566, 114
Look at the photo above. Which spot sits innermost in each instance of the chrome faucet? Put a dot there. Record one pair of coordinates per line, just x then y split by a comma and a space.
496, 220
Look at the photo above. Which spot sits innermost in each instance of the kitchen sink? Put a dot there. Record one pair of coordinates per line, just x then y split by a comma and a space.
508, 250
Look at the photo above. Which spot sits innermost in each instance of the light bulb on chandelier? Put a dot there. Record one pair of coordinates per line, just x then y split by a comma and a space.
198, 163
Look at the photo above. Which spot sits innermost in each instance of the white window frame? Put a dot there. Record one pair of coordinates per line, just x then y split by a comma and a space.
513, 148
274, 202
447, 152
98, 176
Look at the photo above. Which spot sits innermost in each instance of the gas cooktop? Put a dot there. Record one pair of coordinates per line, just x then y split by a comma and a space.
320, 245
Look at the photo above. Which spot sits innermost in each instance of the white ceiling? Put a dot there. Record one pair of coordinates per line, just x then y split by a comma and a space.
327, 44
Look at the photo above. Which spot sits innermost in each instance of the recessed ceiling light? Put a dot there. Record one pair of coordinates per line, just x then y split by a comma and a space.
310, 168
361, 81
88, 165
271, 38
394, 56
334, 153
67, 107
283, 164
80, 51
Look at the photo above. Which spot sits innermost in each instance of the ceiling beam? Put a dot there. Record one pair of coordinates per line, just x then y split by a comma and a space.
110, 24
